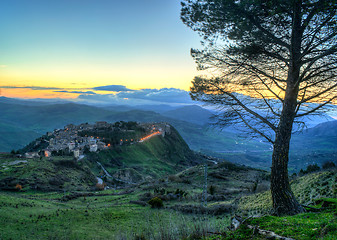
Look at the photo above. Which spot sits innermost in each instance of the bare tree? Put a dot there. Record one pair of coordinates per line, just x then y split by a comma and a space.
280, 52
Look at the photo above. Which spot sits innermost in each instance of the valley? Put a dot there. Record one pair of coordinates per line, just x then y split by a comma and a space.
192, 122
170, 179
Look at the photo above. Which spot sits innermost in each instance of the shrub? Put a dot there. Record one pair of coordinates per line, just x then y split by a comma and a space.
313, 168
180, 193
159, 190
18, 187
174, 178
211, 190
100, 186
67, 164
310, 168
156, 202
328, 165
140, 237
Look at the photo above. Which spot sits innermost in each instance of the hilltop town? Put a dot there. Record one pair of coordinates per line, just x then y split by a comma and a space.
76, 140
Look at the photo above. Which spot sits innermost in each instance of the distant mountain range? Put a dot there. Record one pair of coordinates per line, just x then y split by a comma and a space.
22, 121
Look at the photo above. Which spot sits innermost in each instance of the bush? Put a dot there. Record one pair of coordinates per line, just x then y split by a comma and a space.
328, 165
100, 186
156, 202
313, 168
310, 168
18, 187
67, 164
174, 178
211, 190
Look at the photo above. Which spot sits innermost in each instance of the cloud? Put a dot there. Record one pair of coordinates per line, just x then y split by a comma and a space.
79, 92
164, 95
112, 88
140, 97
3, 66
121, 94
99, 98
32, 87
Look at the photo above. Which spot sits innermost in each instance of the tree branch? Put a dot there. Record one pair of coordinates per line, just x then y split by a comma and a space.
319, 94
316, 108
253, 128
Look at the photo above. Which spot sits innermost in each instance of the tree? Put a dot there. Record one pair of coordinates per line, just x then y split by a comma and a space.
269, 59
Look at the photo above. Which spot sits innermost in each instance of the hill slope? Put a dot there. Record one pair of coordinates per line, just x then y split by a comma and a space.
155, 157
56, 174
193, 114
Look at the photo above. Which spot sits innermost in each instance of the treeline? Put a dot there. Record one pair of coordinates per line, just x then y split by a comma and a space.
315, 168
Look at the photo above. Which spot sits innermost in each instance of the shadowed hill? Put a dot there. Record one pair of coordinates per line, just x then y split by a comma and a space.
194, 114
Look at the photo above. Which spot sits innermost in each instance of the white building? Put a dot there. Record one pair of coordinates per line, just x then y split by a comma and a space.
93, 148
77, 153
31, 155
71, 146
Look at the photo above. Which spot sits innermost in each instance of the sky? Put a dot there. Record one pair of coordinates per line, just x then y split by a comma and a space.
95, 50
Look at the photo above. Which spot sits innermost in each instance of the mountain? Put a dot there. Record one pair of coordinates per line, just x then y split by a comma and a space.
194, 114
159, 108
325, 129
314, 145
14, 137
21, 124
34, 102
313, 120
48, 117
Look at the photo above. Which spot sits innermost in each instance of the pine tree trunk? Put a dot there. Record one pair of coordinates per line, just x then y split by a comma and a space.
284, 201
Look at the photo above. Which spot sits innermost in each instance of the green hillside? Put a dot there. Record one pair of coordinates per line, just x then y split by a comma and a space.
42, 174
13, 137
154, 157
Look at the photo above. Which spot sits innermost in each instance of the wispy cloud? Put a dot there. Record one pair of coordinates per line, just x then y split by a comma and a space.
110, 88
78, 92
3, 66
113, 88
31, 87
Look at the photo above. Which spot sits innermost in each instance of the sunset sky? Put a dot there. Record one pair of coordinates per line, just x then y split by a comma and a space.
94, 49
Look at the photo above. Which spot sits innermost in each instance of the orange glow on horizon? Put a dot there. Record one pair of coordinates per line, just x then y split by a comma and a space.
30, 94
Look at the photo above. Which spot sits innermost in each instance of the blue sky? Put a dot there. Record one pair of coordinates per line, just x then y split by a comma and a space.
86, 44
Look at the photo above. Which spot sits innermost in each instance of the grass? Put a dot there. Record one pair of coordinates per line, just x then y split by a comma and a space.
307, 190
318, 225
113, 214
58, 173
43, 216
305, 226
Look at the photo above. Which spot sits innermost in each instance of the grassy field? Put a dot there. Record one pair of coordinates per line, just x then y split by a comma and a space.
124, 214
108, 215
